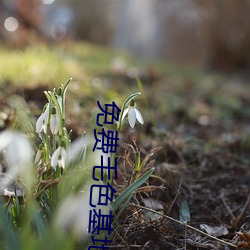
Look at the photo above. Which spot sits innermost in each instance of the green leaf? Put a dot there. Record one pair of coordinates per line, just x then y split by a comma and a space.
129, 190
11, 237
138, 163
65, 87
39, 222
122, 208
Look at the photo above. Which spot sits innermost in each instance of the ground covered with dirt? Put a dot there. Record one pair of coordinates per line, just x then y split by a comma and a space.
202, 174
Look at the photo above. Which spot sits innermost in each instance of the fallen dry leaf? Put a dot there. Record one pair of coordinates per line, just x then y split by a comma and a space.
215, 231
245, 236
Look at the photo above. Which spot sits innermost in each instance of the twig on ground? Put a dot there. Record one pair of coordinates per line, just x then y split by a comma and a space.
184, 224
121, 246
173, 202
239, 217
227, 207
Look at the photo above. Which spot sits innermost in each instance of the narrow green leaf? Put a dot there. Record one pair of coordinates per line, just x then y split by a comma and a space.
11, 237
65, 87
39, 222
138, 163
139, 84
122, 209
128, 191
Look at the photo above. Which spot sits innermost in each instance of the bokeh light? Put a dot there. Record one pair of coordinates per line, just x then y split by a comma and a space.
48, 2
11, 24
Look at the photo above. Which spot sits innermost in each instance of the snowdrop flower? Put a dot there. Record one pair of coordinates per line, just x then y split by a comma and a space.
42, 122
59, 97
54, 121
78, 148
59, 157
39, 154
72, 215
133, 114
17, 152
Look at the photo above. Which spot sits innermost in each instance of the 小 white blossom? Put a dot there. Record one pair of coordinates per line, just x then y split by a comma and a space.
59, 97
72, 216
42, 122
39, 154
133, 114
16, 150
54, 121
59, 157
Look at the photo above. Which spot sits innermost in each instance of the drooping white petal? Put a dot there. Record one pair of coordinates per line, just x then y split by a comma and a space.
59, 157
5, 139
78, 148
132, 117
46, 112
62, 161
19, 151
59, 99
38, 156
72, 216
39, 123
18, 156
54, 124
55, 156
139, 116
42, 121
44, 127
125, 112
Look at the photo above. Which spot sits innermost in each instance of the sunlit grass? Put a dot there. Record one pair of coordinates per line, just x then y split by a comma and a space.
38, 65
94, 77
41, 64
34, 65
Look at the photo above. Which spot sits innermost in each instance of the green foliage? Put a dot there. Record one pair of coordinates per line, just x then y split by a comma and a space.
132, 188
47, 215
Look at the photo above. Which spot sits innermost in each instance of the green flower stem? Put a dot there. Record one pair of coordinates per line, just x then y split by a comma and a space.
54, 142
66, 137
65, 87
118, 128
123, 108
47, 137
53, 97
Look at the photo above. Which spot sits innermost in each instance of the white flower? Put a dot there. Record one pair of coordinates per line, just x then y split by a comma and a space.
72, 216
78, 148
133, 114
17, 152
54, 121
59, 157
39, 155
42, 122
59, 99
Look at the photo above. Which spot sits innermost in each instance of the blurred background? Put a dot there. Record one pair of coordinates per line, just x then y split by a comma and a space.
190, 59
212, 34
